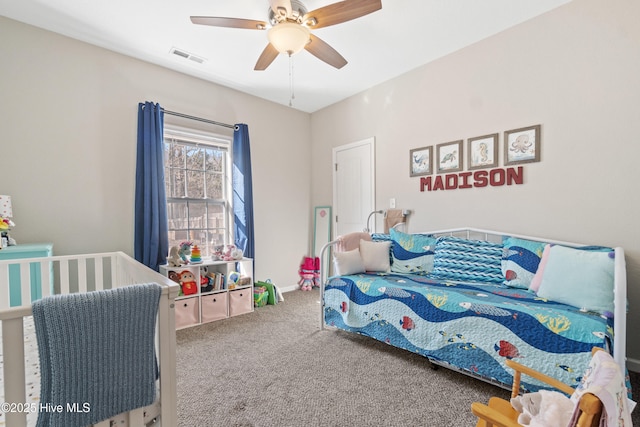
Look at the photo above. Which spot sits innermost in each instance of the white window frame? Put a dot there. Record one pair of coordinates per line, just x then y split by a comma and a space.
201, 138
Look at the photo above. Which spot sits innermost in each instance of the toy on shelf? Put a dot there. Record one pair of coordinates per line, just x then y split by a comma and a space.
233, 280
188, 282
206, 283
174, 259
173, 275
196, 256
309, 273
178, 254
228, 253
185, 250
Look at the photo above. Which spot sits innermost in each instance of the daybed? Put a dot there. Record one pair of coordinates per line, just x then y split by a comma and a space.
81, 275
470, 299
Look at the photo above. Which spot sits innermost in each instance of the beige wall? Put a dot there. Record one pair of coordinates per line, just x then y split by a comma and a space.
575, 71
68, 123
68, 131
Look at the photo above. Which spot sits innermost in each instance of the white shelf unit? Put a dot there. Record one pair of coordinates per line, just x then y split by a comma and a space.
207, 305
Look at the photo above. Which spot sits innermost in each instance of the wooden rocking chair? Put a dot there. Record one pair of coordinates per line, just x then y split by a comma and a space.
500, 413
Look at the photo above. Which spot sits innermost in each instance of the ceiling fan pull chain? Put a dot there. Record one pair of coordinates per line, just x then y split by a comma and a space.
293, 96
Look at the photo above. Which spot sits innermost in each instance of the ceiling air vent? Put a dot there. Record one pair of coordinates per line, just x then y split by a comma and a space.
187, 55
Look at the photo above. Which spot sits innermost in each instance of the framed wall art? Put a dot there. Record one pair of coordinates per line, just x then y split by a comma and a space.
449, 157
522, 145
420, 161
483, 151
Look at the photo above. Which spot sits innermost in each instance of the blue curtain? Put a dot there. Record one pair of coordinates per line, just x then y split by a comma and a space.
242, 191
151, 240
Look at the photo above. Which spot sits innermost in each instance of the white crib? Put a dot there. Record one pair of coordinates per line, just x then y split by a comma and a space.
71, 274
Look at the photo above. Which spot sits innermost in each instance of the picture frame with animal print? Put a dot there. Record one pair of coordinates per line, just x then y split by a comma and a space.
522, 145
449, 157
483, 152
421, 161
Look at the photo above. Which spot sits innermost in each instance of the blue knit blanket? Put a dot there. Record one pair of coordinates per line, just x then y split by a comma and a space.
97, 354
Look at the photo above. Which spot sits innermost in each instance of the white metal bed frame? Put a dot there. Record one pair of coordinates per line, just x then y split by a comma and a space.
85, 273
620, 278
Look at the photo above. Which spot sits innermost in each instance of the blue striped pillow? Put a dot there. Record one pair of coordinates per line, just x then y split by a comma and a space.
463, 260
411, 253
520, 260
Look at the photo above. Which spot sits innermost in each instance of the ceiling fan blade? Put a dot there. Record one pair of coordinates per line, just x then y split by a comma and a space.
281, 7
266, 58
216, 21
339, 12
324, 52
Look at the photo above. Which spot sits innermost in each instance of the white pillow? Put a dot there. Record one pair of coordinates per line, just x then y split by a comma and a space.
375, 255
349, 262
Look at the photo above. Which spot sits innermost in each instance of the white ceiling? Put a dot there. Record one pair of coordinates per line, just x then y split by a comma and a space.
402, 36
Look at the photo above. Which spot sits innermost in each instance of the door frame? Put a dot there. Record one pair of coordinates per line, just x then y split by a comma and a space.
371, 142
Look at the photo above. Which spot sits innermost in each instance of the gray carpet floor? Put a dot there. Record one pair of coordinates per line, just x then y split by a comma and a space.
275, 367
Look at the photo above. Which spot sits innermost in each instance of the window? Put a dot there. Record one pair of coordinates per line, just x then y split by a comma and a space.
197, 183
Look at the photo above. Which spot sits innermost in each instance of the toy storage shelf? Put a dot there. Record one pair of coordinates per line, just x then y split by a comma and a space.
212, 290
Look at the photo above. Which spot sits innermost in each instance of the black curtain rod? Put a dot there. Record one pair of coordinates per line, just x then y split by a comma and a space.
186, 116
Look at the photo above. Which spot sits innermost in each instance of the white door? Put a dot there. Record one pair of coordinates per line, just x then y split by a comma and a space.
353, 186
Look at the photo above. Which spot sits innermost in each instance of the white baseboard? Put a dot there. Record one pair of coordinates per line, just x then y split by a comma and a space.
289, 288
633, 364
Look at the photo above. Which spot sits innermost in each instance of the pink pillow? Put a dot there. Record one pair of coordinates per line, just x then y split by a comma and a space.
537, 278
351, 241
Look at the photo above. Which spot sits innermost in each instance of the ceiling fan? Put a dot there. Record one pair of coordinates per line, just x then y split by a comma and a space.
289, 26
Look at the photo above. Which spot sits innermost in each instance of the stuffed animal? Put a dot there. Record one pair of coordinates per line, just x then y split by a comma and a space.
306, 281
206, 284
309, 273
236, 253
184, 251
174, 259
188, 283
228, 253
231, 253
543, 408
217, 253
173, 275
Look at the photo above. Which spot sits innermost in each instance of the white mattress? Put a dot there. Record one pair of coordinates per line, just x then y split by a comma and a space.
32, 370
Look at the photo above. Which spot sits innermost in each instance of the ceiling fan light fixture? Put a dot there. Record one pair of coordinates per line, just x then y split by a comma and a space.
288, 37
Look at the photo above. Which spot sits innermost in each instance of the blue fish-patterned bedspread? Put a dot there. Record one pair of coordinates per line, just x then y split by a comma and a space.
470, 327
